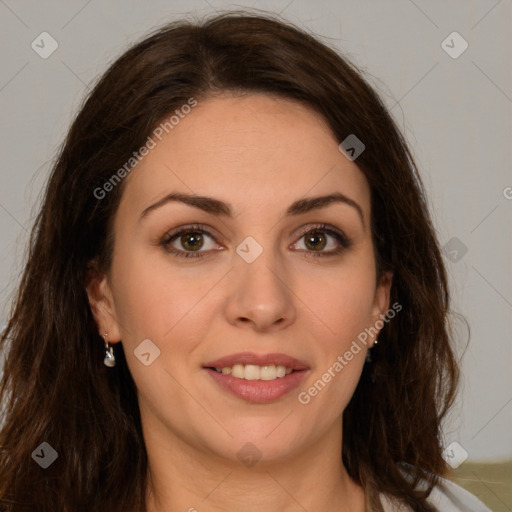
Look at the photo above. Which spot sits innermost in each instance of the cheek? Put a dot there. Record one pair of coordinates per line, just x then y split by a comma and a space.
340, 301
329, 391
159, 302
156, 300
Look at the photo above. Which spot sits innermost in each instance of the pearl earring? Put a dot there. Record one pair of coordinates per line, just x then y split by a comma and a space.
110, 359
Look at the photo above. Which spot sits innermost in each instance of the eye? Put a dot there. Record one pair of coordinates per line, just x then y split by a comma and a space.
189, 242
322, 240
194, 241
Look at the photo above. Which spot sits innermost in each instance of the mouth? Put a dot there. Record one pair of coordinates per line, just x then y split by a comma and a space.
257, 378
254, 372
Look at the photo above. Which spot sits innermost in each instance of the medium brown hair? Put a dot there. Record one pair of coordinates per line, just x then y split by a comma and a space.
55, 387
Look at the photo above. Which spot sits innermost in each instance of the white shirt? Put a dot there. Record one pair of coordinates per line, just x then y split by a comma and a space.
447, 496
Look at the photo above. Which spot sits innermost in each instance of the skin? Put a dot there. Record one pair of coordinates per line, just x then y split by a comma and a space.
259, 154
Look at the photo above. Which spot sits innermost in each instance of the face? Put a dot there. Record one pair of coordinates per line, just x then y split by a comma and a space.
241, 271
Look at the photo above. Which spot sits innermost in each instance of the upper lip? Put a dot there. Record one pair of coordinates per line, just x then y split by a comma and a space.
257, 359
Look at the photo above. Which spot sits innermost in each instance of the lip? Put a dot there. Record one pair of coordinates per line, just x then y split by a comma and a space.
258, 391
259, 360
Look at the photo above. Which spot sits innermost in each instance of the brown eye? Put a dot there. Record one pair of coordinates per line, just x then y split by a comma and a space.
192, 241
189, 242
315, 240
322, 240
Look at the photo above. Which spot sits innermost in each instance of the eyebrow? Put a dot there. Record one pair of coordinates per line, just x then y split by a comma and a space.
220, 208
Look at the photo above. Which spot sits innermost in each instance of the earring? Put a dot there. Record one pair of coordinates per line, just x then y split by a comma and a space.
368, 354
110, 359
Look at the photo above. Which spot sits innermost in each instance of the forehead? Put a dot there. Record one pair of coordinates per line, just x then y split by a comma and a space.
251, 151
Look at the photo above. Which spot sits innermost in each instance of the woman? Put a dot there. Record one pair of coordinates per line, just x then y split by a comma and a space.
232, 221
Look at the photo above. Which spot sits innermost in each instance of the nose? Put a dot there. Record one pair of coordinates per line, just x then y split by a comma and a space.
261, 296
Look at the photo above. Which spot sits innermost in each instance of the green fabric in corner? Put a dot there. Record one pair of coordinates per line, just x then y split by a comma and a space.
491, 483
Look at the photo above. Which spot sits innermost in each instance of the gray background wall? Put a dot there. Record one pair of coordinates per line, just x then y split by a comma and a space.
455, 112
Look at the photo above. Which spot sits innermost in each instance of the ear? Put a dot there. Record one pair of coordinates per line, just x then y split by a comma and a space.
101, 302
382, 298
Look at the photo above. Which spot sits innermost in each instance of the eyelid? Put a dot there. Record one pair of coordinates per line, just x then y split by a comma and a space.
320, 226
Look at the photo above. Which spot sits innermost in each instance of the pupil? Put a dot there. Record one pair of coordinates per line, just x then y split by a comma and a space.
192, 241
316, 241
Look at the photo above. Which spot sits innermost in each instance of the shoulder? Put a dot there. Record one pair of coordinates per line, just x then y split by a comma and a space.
446, 496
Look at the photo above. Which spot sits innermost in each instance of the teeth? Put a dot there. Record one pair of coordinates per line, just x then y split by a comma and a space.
269, 372
254, 372
237, 371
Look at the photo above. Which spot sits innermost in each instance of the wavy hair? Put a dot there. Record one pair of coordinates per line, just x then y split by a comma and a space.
54, 386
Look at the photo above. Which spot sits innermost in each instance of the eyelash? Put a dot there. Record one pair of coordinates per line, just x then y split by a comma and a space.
341, 238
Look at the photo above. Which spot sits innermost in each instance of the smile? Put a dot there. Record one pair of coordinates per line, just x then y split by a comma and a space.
254, 372
257, 378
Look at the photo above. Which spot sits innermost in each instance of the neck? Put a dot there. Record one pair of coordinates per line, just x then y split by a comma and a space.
185, 478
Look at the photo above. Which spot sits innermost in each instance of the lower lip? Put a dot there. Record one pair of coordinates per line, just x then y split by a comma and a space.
258, 391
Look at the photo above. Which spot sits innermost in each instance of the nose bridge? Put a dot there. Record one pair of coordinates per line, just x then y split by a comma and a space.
264, 269
261, 293
260, 266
